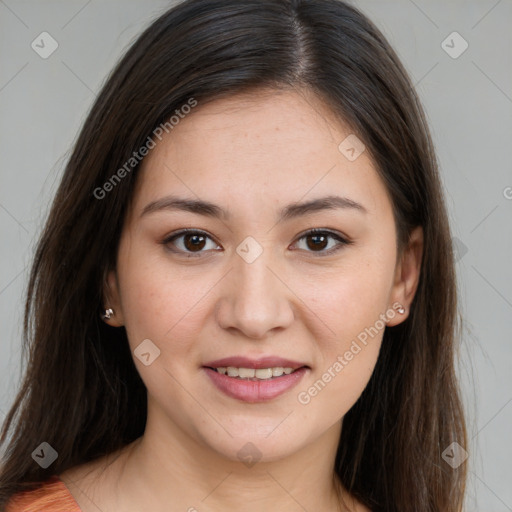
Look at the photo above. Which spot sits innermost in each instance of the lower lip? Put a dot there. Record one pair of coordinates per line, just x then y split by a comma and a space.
252, 390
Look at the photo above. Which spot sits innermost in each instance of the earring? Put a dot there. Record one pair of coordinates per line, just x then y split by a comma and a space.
108, 314
401, 310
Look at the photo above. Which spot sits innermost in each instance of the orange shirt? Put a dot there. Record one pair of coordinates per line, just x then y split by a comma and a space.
51, 496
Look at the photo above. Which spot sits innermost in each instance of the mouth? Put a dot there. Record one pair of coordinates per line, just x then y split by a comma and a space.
255, 381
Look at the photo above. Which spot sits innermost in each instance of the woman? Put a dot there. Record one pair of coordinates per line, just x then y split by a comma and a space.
244, 295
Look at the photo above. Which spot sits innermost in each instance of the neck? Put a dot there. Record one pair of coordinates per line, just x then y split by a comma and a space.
166, 467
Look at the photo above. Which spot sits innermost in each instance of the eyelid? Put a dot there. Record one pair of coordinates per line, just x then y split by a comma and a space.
330, 233
169, 238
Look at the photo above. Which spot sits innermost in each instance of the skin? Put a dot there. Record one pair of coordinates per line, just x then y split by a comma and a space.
252, 155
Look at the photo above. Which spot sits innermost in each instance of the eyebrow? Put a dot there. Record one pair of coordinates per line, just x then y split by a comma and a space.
293, 210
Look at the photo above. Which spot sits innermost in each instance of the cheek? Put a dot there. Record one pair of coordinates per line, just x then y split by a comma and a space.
333, 393
350, 308
348, 350
350, 298
157, 303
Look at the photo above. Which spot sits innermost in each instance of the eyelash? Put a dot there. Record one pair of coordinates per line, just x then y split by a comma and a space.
330, 234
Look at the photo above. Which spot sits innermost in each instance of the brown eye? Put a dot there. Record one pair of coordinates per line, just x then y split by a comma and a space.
189, 242
193, 242
318, 241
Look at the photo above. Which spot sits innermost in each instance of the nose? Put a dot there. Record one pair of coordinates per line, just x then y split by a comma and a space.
255, 299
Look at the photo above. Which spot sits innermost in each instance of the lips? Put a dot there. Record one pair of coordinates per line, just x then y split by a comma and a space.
255, 390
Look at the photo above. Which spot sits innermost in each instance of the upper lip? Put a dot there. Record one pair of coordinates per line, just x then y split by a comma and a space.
263, 362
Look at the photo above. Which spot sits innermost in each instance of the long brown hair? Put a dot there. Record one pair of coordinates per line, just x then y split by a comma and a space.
81, 392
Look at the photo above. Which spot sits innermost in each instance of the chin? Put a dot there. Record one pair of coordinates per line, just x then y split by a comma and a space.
258, 443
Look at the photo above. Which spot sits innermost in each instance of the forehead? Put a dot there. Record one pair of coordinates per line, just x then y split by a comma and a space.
260, 121
260, 148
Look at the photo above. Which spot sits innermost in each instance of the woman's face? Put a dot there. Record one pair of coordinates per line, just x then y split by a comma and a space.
249, 282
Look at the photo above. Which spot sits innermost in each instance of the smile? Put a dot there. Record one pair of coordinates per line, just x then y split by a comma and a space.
254, 385
255, 374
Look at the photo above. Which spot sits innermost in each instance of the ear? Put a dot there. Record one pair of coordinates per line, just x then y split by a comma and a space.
407, 276
111, 299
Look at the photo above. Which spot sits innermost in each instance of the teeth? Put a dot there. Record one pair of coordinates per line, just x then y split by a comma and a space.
232, 372
251, 373
245, 373
262, 373
278, 371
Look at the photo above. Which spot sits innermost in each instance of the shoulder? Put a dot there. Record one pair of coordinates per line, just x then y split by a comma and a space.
51, 496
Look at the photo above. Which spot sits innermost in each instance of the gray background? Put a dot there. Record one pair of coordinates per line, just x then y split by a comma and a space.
469, 105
